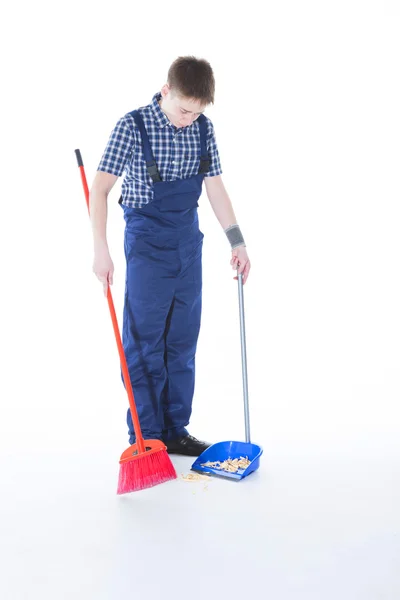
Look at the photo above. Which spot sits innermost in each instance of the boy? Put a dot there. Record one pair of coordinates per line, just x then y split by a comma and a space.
167, 150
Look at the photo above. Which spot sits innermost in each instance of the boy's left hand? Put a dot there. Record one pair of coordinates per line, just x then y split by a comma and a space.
240, 262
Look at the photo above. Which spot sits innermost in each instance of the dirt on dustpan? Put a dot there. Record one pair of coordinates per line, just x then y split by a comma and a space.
230, 465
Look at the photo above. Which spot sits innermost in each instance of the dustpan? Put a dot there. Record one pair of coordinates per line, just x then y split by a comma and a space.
222, 451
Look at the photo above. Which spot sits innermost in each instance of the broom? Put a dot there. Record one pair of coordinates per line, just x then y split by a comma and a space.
145, 463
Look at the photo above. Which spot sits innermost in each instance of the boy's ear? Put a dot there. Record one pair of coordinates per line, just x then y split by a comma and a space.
165, 90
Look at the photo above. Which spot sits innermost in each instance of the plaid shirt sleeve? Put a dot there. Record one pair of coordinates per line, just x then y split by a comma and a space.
118, 150
215, 165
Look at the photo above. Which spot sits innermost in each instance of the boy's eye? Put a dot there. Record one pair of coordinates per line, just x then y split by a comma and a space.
185, 112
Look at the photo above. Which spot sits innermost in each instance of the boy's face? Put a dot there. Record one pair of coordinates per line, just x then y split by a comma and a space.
180, 111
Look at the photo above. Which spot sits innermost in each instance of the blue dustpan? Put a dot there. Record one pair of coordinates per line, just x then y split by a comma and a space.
225, 450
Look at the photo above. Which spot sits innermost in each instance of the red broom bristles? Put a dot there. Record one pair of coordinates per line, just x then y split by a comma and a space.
144, 471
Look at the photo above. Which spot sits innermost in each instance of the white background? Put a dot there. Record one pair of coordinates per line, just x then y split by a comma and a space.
308, 126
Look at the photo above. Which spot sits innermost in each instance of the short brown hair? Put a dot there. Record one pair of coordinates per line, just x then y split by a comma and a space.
192, 78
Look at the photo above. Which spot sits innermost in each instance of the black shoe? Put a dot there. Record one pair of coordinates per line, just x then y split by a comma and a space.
186, 445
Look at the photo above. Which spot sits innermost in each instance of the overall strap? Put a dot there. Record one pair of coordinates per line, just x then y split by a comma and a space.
204, 158
151, 164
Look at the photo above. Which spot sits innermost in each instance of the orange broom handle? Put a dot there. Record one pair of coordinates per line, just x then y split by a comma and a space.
127, 379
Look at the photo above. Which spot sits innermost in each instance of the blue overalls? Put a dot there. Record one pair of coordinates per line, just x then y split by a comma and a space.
163, 290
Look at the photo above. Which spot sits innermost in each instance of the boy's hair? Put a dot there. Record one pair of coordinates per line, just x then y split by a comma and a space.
192, 78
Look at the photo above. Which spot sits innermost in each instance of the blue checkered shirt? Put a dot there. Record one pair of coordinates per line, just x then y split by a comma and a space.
176, 151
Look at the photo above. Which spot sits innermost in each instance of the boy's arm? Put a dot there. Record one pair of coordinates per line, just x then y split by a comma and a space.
102, 264
101, 187
223, 209
220, 201
112, 164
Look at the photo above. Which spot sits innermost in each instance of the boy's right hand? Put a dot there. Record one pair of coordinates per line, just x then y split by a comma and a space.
103, 267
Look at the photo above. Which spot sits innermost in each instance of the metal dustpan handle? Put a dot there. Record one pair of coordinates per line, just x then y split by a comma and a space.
244, 359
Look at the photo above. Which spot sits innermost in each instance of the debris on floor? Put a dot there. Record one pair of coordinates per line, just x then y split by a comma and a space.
194, 477
230, 465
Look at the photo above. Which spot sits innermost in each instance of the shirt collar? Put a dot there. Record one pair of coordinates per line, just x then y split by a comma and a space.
160, 117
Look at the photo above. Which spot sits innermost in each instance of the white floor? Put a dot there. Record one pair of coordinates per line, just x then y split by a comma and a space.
312, 523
